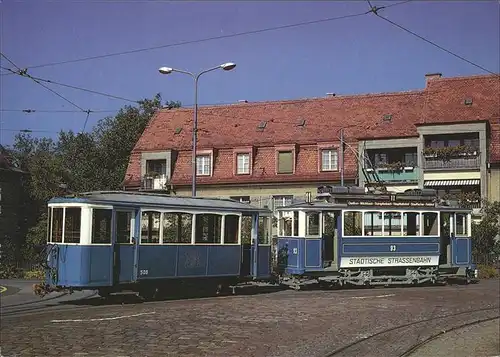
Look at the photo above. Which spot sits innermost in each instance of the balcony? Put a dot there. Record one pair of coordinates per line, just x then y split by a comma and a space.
394, 173
450, 158
154, 182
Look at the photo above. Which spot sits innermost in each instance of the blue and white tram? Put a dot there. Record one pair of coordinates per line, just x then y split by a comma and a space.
127, 241
349, 237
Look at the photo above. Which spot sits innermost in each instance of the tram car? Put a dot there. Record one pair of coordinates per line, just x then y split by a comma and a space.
152, 243
348, 237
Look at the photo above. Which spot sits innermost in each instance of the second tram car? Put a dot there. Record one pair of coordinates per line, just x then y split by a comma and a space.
347, 236
150, 243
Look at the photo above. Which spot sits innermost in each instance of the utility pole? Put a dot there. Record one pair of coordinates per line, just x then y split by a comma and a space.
342, 157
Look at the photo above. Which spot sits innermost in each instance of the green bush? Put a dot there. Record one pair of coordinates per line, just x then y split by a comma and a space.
487, 271
35, 274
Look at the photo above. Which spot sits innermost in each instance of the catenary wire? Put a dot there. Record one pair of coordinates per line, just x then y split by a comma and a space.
237, 34
25, 74
375, 11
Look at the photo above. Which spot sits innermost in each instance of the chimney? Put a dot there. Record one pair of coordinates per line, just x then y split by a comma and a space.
431, 76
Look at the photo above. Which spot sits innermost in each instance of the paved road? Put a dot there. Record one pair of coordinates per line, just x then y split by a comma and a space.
286, 323
477, 340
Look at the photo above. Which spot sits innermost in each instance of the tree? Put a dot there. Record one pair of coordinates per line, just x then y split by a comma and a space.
79, 162
484, 233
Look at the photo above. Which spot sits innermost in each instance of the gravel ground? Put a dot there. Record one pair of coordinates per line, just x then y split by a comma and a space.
476, 340
285, 323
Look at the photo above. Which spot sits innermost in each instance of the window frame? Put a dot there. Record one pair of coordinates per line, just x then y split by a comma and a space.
132, 225
466, 224
290, 151
91, 223
248, 164
382, 213
79, 228
160, 227
203, 156
331, 168
307, 225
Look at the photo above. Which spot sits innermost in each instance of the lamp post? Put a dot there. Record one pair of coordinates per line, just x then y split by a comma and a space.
167, 70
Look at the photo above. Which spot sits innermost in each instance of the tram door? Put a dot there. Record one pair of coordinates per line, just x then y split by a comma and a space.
329, 228
246, 246
445, 239
124, 247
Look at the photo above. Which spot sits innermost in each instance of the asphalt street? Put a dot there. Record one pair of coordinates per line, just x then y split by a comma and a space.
358, 322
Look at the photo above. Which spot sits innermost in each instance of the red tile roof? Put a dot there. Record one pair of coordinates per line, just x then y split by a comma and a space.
361, 116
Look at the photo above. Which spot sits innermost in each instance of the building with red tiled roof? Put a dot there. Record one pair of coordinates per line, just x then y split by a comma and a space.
446, 136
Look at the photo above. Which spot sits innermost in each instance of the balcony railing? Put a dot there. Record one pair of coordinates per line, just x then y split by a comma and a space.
432, 162
403, 174
154, 182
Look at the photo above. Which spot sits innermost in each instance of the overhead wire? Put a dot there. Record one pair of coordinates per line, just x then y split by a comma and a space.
213, 38
24, 73
375, 10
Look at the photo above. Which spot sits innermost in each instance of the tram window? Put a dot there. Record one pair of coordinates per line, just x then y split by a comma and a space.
295, 223
312, 223
430, 223
177, 227
392, 223
264, 234
208, 228
231, 229
57, 225
461, 224
246, 229
123, 227
150, 227
329, 224
411, 224
101, 226
286, 224
72, 223
373, 223
352, 223
49, 218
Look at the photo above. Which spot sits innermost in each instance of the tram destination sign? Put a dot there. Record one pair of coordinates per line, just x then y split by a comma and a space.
390, 203
366, 262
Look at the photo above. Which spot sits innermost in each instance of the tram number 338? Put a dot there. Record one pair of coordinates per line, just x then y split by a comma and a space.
392, 248
143, 272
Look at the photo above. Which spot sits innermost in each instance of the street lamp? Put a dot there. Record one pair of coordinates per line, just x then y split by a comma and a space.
167, 70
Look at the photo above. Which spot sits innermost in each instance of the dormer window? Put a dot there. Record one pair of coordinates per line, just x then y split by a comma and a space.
203, 165
243, 163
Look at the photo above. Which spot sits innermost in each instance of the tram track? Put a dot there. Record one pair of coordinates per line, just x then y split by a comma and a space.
382, 335
426, 341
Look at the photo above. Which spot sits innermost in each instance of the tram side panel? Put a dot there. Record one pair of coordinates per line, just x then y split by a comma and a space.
188, 261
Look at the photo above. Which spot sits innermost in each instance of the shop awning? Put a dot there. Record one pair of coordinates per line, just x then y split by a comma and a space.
434, 183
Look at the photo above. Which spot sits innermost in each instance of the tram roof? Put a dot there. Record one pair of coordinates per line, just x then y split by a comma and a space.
137, 199
386, 206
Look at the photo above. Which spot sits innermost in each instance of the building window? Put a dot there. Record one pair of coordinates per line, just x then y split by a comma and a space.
243, 164
285, 162
329, 160
156, 167
282, 201
203, 165
242, 199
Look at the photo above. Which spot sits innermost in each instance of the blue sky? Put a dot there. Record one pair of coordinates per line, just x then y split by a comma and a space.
349, 56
